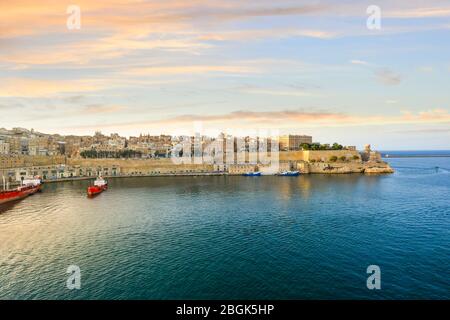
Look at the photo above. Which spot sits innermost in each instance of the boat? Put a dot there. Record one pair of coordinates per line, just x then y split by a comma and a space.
252, 174
99, 186
27, 188
289, 173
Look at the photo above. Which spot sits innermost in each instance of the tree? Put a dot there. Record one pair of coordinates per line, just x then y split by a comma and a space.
315, 146
305, 146
337, 146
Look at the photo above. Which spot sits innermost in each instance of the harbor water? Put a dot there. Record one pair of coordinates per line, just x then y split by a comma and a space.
219, 237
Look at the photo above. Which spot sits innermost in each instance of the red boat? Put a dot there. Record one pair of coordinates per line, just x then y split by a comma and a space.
27, 188
99, 186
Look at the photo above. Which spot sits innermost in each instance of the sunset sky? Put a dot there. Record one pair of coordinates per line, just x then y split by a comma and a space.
309, 67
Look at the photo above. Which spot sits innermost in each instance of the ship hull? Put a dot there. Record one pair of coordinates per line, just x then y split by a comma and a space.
290, 174
14, 195
95, 190
252, 174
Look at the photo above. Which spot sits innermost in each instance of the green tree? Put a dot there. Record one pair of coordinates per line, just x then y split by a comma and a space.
337, 146
305, 146
315, 146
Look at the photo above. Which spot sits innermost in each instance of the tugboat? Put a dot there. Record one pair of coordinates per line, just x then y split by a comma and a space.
289, 173
99, 186
27, 188
252, 174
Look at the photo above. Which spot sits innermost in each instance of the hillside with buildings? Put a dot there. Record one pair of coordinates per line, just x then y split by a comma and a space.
26, 153
23, 142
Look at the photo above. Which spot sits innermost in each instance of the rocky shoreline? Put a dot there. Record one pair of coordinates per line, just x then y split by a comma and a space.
343, 168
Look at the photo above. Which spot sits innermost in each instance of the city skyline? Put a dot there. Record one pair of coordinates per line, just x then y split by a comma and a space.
150, 67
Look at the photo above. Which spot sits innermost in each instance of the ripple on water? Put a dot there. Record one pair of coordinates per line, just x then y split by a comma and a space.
230, 237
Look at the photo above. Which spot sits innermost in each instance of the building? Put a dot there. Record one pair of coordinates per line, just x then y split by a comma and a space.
11, 161
57, 172
293, 142
38, 146
4, 148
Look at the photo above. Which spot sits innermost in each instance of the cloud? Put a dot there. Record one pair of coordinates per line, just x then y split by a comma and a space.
118, 28
426, 130
292, 93
281, 119
74, 99
387, 77
360, 62
264, 116
126, 45
426, 69
26, 17
243, 12
102, 109
430, 12
24, 87
186, 69
384, 75
264, 34
391, 101
437, 115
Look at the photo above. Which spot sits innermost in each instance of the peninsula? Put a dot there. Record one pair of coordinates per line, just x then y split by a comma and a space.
25, 153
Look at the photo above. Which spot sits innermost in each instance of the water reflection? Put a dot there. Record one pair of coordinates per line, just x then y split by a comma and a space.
226, 237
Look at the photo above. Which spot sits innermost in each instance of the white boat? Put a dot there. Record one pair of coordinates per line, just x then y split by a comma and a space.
100, 182
32, 182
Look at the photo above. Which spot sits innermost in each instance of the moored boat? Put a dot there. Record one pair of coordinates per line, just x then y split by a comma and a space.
252, 174
289, 173
99, 186
27, 188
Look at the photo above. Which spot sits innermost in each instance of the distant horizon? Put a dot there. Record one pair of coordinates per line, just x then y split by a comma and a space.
415, 150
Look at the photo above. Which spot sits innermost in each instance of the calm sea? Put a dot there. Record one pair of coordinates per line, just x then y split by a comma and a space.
264, 237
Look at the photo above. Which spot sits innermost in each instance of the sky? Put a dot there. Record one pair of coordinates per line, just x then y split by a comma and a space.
300, 67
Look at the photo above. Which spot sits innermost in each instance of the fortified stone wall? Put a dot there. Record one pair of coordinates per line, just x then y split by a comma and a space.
145, 166
28, 161
325, 155
292, 155
327, 161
